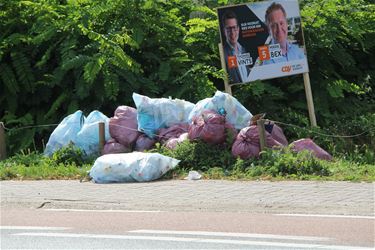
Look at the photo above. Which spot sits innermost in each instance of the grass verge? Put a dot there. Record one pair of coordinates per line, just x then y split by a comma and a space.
214, 162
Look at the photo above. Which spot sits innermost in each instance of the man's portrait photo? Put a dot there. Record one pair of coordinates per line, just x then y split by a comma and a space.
277, 24
233, 50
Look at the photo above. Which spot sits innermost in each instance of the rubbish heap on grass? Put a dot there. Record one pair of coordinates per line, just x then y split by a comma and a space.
168, 121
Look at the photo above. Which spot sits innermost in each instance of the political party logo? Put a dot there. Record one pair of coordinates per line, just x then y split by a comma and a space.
291, 68
287, 68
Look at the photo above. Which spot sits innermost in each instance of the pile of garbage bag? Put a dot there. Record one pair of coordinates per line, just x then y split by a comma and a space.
169, 122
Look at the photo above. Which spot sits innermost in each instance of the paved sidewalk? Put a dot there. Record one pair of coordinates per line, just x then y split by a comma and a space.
342, 198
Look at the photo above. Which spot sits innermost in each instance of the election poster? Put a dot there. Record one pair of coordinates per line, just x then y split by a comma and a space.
262, 40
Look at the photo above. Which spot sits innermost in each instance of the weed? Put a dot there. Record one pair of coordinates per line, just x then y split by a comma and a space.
70, 154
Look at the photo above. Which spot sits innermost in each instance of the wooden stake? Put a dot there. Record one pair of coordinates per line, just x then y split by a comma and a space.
227, 86
262, 134
310, 103
3, 151
101, 136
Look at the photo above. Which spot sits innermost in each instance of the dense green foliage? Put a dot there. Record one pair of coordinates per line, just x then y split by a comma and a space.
60, 56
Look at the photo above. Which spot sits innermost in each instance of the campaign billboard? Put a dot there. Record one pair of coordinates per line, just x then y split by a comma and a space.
262, 40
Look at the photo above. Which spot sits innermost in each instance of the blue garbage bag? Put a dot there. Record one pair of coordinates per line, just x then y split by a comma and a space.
65, 133
88, 137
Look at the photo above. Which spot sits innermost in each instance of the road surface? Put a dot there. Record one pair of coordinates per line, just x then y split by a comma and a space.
122, 229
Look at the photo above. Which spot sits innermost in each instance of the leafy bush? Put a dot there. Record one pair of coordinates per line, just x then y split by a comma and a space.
285, 162
277, 163
60, 56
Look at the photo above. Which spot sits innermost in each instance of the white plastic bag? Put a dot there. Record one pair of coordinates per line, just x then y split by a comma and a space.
130, 167
225, 104
65, 133
157, 113
193, 175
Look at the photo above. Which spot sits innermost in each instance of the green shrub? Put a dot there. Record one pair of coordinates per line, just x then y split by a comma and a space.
199, 155
285, 162
281, 163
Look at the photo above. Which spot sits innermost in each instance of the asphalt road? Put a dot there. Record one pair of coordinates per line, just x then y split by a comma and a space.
122, 229
181, 214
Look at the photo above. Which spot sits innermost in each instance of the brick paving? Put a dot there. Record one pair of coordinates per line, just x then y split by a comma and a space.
342, 198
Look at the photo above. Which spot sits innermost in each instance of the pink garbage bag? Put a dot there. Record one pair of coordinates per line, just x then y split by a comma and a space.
278, 134
247, 143
144, 143
208, 126
308, 144
113, 147
173, 131
124, 126
173, 142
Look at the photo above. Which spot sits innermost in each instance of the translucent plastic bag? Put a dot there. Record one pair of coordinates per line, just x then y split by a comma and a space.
130, 167
88, 137
157, 113
65, 133
225, 104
